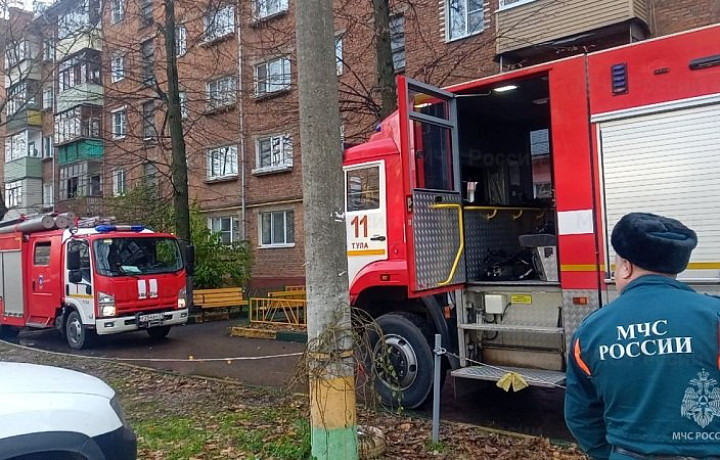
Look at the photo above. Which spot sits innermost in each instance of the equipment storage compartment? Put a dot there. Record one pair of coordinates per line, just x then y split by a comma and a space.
506, 175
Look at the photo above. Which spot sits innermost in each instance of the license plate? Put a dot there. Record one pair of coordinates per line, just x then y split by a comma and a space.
150, 318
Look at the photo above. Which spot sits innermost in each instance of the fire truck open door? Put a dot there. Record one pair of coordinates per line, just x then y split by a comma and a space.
429, 142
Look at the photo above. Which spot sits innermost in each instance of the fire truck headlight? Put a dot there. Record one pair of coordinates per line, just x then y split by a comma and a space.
182, 299
106, 302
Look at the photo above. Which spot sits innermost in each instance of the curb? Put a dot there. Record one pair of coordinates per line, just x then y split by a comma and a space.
282, 336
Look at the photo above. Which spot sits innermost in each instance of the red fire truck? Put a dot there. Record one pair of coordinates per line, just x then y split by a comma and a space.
89, 281
482, 211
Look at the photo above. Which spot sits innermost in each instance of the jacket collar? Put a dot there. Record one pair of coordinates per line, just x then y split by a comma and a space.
658, 281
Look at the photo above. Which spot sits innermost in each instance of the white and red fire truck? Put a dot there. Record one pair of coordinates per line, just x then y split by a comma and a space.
482, 211
89, 281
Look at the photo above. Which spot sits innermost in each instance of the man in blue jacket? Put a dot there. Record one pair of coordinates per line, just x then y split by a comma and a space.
643, 378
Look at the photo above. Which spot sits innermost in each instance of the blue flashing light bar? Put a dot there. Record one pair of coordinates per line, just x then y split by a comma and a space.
119, 228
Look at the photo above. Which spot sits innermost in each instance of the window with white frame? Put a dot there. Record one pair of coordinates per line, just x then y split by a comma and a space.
219, 23
265, 8
183, 104
274, 153
339, 55
118, 182
117, 67
47, 147
119, 123
272, 76
48, 195
148, 120
180, 40
19, 146
397, 41
117, 11
150, 175
80, 121
222, 162
13, 193
464, 18
48, 49
221, 93
227, 228
277, 228
22, 96
48, 98
82, 68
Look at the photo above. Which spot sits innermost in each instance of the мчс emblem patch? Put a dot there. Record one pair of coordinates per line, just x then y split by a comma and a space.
701, 401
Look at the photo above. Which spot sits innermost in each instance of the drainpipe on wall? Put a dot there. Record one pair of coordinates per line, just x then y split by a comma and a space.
243, 232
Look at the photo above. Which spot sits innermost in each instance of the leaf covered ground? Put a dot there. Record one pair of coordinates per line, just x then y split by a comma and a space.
190, 418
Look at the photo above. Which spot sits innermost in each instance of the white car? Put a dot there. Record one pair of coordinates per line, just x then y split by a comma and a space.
49, 413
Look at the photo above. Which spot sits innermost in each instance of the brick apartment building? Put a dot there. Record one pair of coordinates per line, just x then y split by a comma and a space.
94, 78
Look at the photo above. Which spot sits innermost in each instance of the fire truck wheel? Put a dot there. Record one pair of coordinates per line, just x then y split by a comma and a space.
8, 332
158, 332
76, 335
403, 361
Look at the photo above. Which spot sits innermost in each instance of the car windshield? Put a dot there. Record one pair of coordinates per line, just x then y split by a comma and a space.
136, 256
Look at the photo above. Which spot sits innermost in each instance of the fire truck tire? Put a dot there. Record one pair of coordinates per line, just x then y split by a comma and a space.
77, 336
8, 332
158, 332
410, 356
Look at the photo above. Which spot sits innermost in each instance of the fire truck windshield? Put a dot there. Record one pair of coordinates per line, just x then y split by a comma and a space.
136, 256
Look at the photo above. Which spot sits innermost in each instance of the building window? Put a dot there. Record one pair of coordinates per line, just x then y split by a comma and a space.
148, 118
397, 42
265, 8
48, 195
13, 194
119, 123
219, 23
222, 162
180, 40
272, 76
20, 146
221, 93
48, 49
118, 182
147, 51
83, 15
146, 12
117, 68
80, 69
183, 104
117, 11
47, 144
277, 229
339, 55
48, 98
465, 17
226, 228
17, 52
22, 96
274, 153
82, 121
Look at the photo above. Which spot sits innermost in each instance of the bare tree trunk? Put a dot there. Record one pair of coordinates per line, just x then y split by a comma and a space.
332, 383
181, 201
383, 53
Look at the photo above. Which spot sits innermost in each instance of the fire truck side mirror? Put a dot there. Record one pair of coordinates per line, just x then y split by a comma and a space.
73, 260
190, 260
75, 276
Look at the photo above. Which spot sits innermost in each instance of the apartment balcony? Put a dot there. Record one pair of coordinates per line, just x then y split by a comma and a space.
23, 119
22, 168
82, 150
85, 93
81, 205
524, 26
84, 38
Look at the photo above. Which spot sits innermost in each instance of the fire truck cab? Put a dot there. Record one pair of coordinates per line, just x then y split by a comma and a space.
90, 281
483, 211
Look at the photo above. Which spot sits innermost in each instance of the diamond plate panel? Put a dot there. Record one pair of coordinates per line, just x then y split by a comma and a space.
573, 315
499, 234
537, 377
437, 239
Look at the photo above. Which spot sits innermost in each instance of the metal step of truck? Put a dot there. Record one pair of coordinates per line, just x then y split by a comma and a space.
534, 377
510, 328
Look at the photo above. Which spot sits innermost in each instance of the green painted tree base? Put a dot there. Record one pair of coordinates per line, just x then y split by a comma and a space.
334, 444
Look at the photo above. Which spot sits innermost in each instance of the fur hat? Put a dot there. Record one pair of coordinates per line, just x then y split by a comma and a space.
655, 243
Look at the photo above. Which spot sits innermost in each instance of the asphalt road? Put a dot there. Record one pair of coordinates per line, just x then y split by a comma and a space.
533, 411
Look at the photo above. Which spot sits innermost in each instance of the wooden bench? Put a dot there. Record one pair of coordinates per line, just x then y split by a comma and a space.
298, 294
220, 298
295, 288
